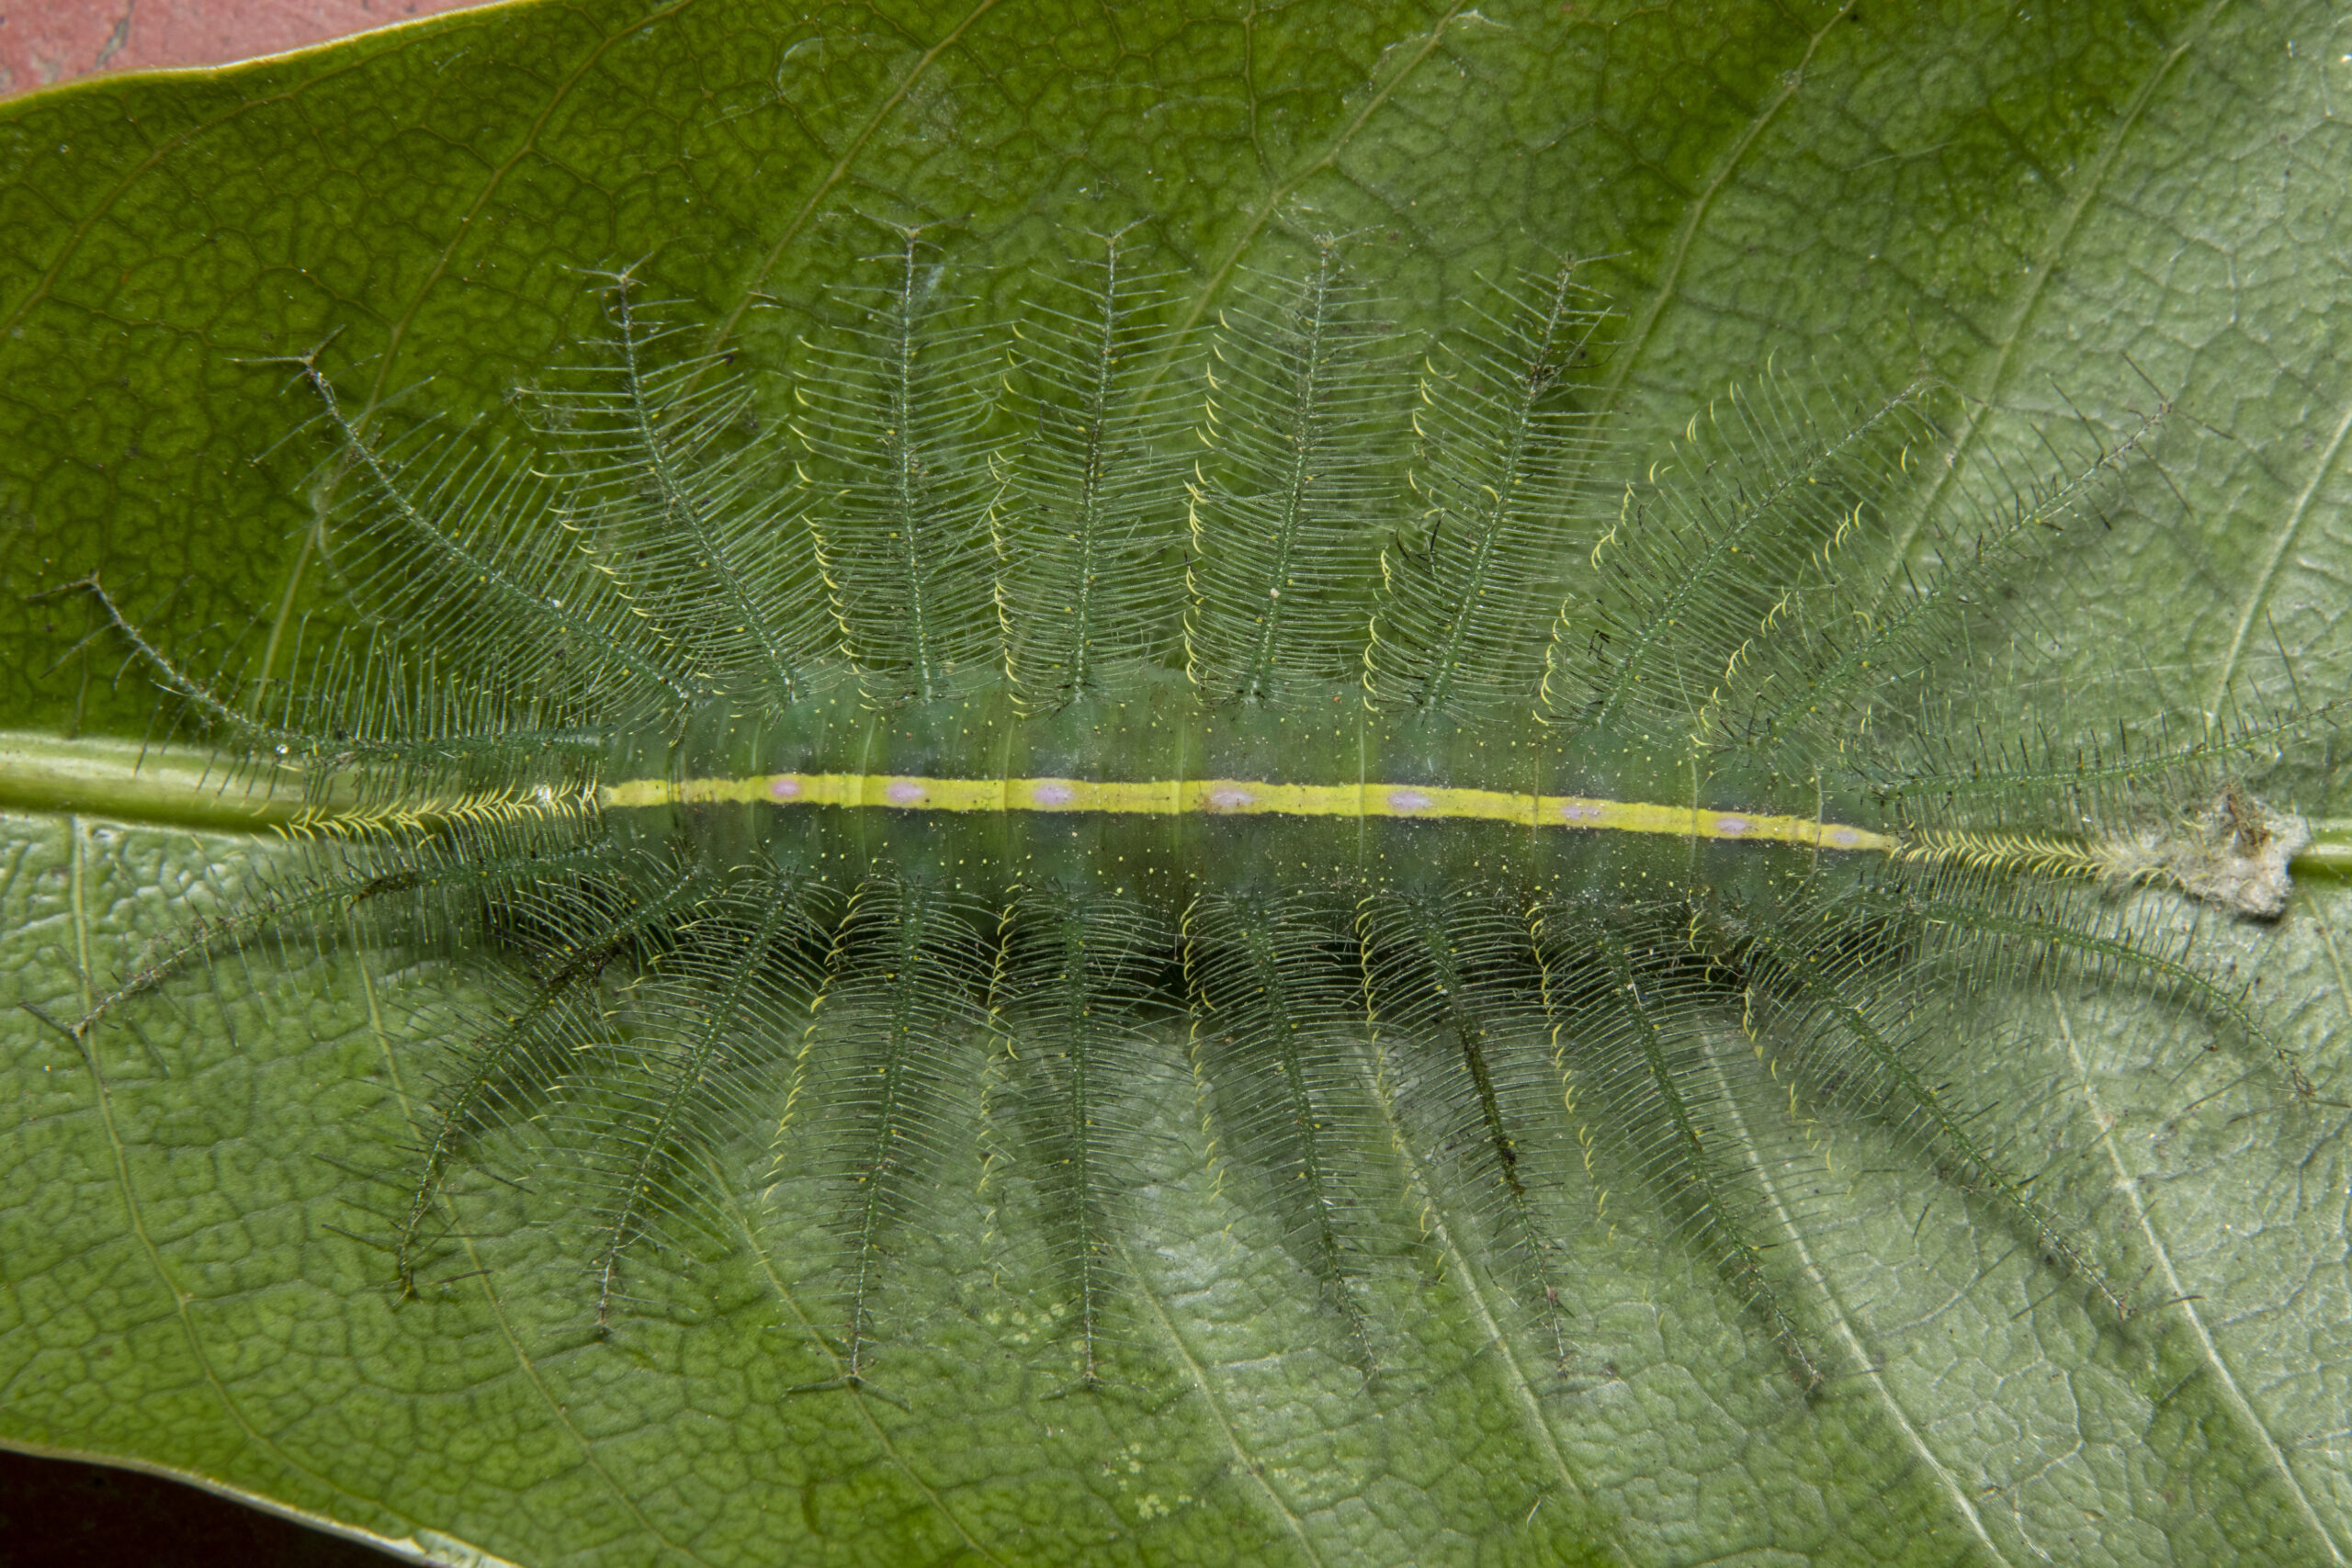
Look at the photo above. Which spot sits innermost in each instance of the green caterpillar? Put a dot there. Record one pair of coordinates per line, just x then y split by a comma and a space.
1029, 724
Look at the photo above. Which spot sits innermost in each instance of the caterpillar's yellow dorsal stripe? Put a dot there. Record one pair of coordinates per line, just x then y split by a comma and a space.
1241, 798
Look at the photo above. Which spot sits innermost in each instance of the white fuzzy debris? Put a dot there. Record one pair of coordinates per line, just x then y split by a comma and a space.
2234, 853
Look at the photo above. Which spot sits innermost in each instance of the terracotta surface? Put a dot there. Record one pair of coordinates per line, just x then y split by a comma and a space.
43, 41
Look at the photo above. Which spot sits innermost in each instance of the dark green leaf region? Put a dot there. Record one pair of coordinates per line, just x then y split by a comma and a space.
997, 867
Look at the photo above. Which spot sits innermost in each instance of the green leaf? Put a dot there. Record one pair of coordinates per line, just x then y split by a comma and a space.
2096, 210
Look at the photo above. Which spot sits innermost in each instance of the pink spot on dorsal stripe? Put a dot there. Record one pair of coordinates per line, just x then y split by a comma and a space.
784, 788
1229, 799
1053, 794
1733, 826
1579, 811
902, 792
1844, 837
1408, 800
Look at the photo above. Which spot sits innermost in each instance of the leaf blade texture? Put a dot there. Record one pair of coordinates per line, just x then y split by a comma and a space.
1781, 182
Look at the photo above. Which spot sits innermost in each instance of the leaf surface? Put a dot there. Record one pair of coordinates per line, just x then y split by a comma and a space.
2092, 211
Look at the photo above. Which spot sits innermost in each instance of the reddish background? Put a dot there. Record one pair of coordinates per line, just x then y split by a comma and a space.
43, 41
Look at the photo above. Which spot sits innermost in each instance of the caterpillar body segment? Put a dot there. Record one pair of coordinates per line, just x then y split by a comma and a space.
1034, 720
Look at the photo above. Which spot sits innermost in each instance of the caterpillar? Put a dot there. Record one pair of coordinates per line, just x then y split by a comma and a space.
1338, 731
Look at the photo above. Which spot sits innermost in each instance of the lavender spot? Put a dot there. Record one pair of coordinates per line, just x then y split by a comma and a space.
1733, 826
1229, 799
1053, 794
1577, 811
1844, 837
785, 788
902, 792
1408, 800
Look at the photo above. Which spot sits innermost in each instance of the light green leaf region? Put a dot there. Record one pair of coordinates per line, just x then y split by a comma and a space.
2094, 204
